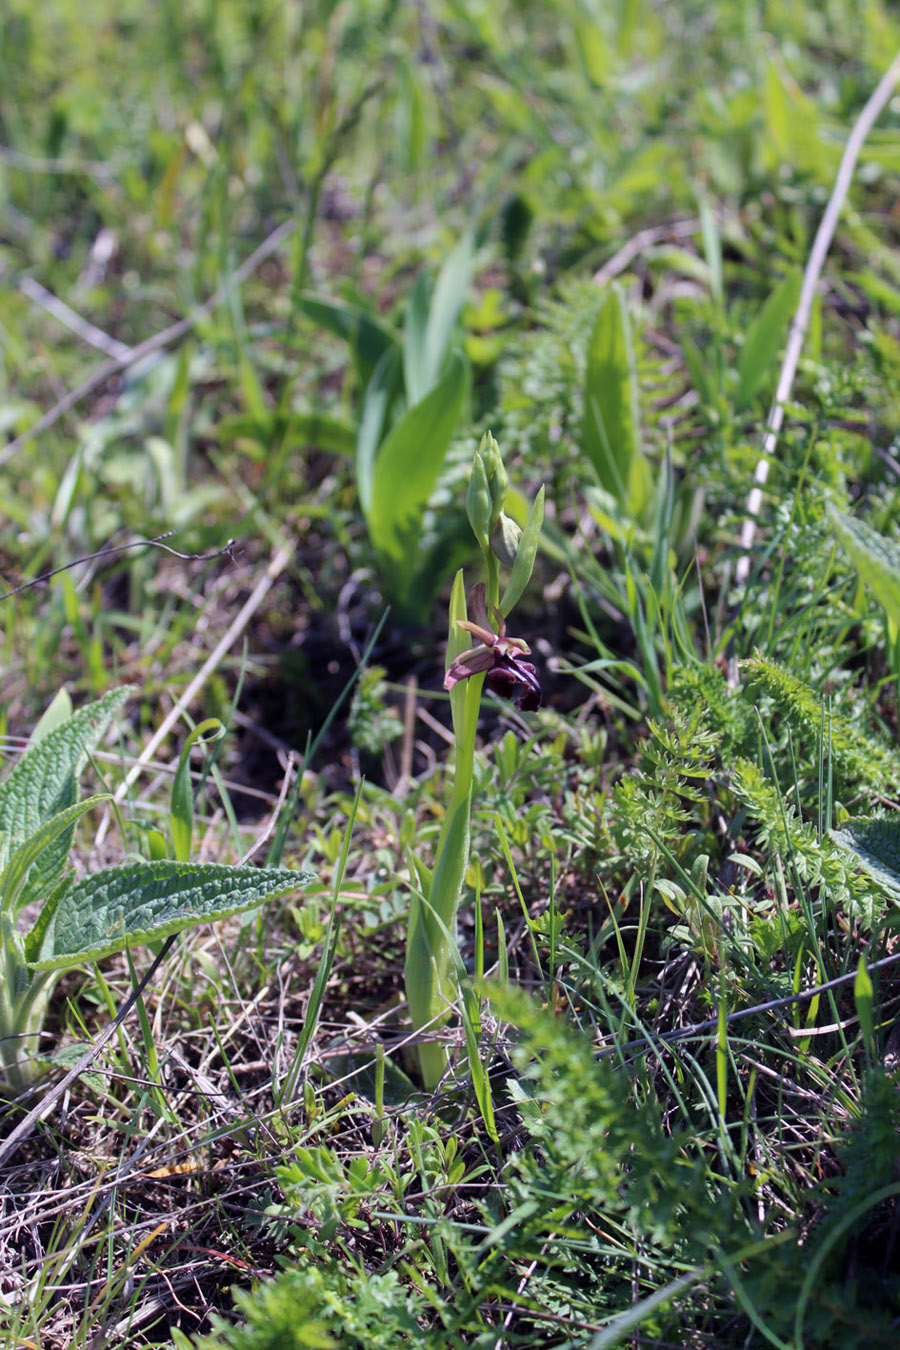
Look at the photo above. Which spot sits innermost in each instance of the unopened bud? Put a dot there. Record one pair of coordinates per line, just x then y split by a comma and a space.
495, 472
505, 539
478, 501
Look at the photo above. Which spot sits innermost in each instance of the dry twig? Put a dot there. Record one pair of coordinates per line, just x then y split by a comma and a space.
821, 244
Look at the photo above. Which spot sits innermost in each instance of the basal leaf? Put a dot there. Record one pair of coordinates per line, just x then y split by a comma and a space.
611, 430
876, 558
409, 462
765, 336
143, 902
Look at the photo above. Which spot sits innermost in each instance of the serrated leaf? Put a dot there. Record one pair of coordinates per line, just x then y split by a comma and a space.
143, 902
764, 337
876, 558
43, 782
876, 843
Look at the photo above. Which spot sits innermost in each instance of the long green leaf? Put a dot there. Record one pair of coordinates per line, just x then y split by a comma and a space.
611, 431
409, 462
143, 902
380, 391
523, 566
765, 336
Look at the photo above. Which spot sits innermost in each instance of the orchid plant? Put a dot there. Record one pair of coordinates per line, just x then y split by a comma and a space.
499, 661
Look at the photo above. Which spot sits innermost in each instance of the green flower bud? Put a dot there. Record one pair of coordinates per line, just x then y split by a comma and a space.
497, 477
505, 539
478, 502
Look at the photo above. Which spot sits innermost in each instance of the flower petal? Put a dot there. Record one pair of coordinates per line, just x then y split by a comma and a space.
468, 663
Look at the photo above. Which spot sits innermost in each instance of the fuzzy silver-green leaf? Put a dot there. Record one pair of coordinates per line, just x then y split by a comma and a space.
142, 902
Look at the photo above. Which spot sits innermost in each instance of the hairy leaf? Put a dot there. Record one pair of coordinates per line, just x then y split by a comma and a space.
43, 781
876, 843
141, 902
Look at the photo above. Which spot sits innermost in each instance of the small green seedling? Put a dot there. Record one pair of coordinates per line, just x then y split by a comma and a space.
105, 911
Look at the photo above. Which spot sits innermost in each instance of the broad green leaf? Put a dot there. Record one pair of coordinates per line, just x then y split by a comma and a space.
415, 364
409, 462
380, 391
43, 781
368, 337
876, 558
876, 843
765, 336
523, 566
125, 906
34, 868
611, 432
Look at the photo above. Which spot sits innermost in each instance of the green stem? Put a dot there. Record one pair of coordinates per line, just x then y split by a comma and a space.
432, 921
23, 1006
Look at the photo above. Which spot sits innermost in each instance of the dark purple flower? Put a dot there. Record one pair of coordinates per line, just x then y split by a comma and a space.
499, 656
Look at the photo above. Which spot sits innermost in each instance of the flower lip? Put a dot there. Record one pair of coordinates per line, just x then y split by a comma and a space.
499, 656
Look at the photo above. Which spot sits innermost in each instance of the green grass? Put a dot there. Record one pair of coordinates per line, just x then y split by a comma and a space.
671, 1116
